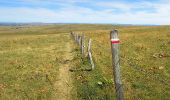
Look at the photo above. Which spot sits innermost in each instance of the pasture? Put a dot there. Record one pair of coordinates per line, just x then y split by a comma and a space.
35, 59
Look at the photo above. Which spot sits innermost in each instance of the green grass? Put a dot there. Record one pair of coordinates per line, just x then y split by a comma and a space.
87, 82
29, 60
29, 64
146, 48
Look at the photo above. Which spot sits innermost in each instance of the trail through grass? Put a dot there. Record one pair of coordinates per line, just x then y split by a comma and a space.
32, 65
63, 85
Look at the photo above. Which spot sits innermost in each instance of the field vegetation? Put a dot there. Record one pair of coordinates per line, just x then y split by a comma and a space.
31, 56
144, 60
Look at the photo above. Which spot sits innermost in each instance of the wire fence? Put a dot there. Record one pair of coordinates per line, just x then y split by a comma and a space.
153, 76
105, 50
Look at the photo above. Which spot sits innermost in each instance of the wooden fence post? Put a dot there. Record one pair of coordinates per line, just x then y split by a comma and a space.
83, 45
90, 54
77, 38
72, 34
115, 64
79, 41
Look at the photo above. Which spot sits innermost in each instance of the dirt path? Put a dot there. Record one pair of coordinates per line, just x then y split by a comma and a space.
63, 85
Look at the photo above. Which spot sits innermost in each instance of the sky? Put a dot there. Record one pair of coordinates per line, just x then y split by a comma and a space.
154, 12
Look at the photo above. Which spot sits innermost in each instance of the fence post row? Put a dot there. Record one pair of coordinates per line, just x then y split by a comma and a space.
115, 63
80, 40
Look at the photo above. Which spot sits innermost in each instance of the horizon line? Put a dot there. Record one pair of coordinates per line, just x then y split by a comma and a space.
82, 23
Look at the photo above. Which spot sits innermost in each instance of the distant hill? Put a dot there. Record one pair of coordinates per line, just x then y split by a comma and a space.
41, 24
22, 24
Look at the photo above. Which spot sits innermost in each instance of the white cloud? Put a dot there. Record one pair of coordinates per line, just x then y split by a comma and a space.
57, 2
109, 14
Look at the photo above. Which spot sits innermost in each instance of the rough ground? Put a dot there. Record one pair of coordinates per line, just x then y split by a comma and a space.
63, 85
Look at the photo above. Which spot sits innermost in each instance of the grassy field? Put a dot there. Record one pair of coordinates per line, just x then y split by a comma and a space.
31, 56
29, 62
145, 63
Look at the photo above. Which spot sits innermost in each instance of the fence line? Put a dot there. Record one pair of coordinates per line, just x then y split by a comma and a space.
115, 59
153, 76
80, 40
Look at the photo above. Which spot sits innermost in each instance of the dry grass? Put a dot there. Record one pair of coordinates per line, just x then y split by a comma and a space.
29, 53
29, 63
146, 48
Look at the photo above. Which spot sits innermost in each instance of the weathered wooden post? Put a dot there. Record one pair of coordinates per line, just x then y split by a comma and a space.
72, 34
79, 41
90, 54
77, 38
83, 45
115, 64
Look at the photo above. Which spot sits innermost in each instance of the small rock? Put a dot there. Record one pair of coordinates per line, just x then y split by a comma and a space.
99, 83
161, 67
155, 55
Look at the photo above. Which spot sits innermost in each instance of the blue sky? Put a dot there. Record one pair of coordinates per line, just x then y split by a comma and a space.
86, 11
